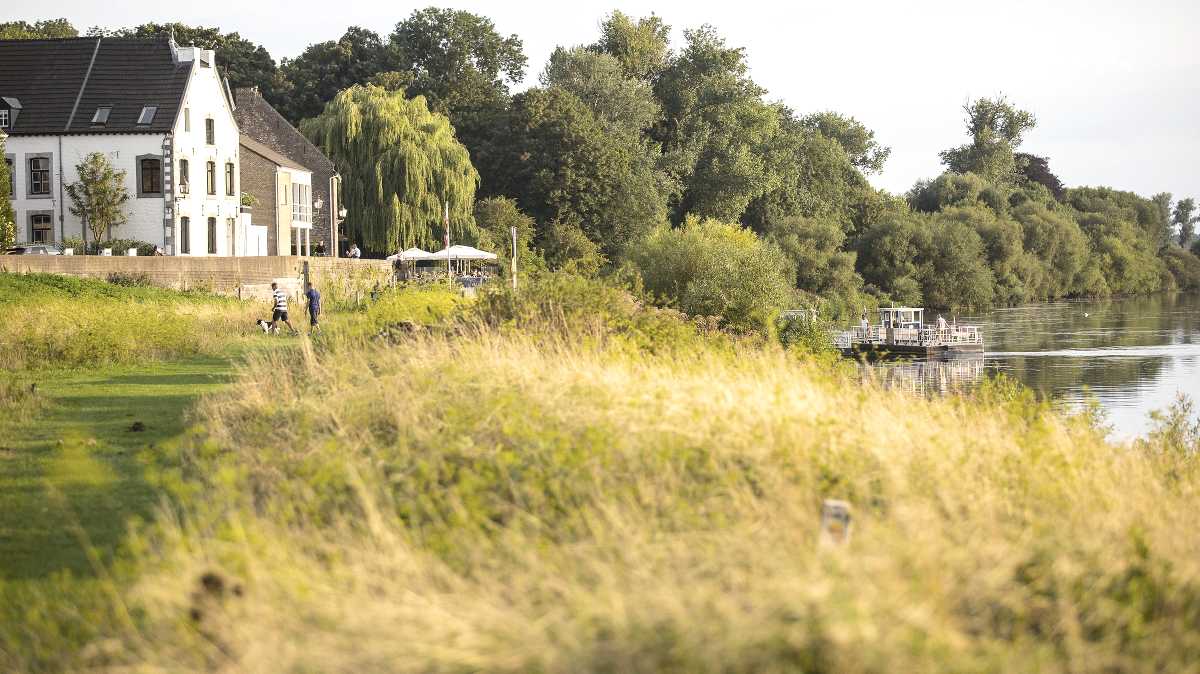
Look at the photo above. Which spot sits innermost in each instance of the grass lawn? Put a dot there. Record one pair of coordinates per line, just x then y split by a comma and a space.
83, 447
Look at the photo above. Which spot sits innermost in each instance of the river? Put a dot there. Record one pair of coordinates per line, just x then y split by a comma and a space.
1131, 355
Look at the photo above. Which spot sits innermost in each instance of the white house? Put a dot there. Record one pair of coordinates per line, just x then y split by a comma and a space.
158, 110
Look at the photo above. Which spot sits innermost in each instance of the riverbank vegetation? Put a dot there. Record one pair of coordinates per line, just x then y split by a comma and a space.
570, 479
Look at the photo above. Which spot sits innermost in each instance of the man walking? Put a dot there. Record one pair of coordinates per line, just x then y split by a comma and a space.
314, 308
280, 309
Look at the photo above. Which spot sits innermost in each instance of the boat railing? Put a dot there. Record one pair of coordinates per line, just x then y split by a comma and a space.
957, 334
923, 336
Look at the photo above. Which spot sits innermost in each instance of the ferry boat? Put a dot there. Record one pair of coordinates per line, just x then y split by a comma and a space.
902, 332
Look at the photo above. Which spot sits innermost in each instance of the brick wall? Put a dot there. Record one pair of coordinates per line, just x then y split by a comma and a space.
257, 119
258, 179
246, 277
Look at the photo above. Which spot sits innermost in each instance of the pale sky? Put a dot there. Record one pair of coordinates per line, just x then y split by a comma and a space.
1115, 86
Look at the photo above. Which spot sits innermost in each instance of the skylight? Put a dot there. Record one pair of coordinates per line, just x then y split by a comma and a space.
101, 115
147, 115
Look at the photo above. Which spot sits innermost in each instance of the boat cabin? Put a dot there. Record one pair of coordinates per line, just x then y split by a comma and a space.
907, 317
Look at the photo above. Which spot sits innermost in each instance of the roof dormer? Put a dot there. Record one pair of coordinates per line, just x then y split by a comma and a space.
9, 109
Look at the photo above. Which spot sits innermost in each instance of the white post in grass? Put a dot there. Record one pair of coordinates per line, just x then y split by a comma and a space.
835, 523
449, 278
514, 257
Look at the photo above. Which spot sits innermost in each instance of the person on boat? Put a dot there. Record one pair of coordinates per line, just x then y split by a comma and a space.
866, 326
941, 324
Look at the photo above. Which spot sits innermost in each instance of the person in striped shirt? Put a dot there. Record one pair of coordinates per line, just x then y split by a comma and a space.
280, 308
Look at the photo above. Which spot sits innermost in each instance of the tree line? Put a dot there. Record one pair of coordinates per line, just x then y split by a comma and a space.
670, 161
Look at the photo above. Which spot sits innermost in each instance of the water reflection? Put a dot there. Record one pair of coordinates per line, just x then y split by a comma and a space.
1130, 355
930, 377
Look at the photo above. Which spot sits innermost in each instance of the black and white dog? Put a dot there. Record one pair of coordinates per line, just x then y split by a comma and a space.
266, 326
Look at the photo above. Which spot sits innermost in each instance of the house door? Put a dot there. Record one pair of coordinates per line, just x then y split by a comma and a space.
231, 236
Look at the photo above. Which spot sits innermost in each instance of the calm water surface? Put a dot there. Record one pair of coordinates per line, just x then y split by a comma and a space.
1130, 355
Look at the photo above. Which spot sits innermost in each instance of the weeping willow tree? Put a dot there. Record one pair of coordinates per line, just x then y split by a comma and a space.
399, 164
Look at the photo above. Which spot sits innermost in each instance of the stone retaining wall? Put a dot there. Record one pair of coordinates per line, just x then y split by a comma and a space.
244, 277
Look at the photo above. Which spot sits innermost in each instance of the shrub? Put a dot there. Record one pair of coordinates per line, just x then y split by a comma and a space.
570, 307
74, 242
1184, 267
119, 246
129, 279
714, 269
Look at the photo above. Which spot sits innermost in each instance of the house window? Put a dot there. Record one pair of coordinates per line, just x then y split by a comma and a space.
184, 178
12, 182
210, 131
39, 175
41, 229
212, 236
229, 180
101, 116
147, 115
301, 204
151, 176
185, 235
283, 195
212, 177
187, 119
3, 119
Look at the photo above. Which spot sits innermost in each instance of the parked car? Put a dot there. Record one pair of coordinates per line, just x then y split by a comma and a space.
33, 249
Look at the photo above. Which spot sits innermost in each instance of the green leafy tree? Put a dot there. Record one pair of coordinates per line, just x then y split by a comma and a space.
996, 128
641, 46
1184, 220
1162, 201
399, 164
857, 141
823, 179
495, 217
711, 268
245, 64
53, 28
1055, 239
815, 248
1184, 267
726, 137
625, 106
461, 65
1125, 234
933, 259
551, 154
568, 248
448, 49
98, 197
314, 78
8, 217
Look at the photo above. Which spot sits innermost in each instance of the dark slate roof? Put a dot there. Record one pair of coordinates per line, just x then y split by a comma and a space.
270, 155
47, 76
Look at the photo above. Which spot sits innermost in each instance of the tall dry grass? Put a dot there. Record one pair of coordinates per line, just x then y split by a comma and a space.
495, 503
61, 322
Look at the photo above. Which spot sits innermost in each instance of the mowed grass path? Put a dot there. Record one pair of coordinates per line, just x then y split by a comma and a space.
83, 446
